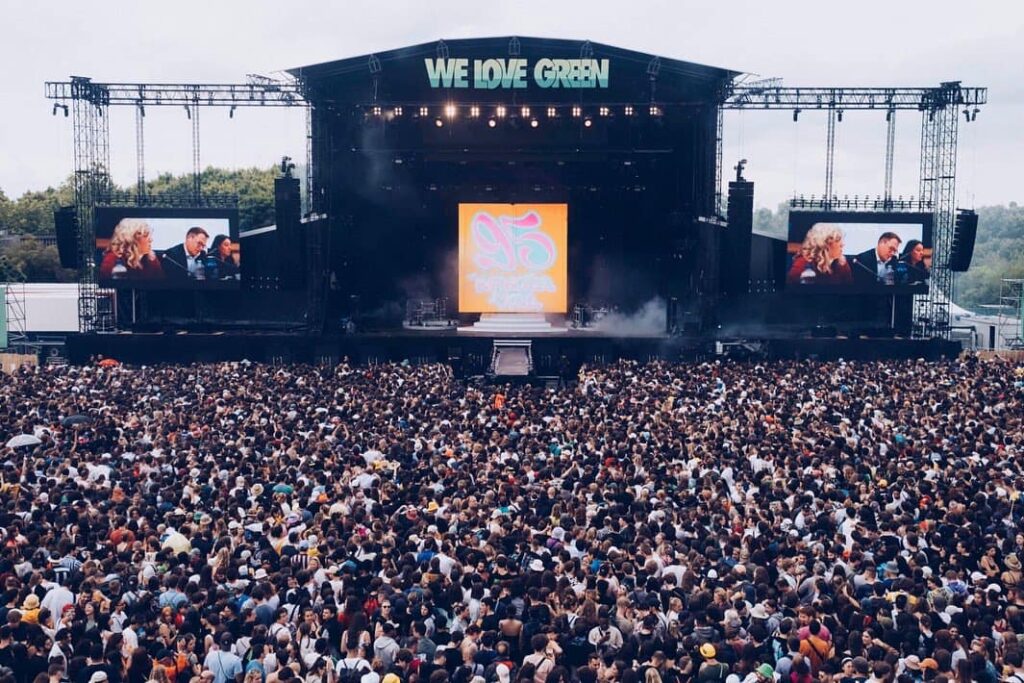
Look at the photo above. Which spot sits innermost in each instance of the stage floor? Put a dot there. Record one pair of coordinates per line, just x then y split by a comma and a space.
550, 352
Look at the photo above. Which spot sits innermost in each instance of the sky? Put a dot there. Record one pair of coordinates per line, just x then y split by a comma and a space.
813, 43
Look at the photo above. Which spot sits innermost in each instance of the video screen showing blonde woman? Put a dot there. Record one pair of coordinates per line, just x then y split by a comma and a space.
162, 249
859, 252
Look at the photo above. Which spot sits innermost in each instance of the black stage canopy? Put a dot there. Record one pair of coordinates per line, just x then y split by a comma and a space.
532, 69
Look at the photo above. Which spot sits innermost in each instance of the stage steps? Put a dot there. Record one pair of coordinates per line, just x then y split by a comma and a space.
511, 358
512, 323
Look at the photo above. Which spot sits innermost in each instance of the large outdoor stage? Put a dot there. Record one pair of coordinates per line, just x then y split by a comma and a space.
470, 178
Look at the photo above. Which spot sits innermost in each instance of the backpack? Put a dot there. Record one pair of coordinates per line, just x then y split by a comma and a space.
350, 674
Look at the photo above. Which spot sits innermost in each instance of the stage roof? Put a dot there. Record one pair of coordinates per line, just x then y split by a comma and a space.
608, 72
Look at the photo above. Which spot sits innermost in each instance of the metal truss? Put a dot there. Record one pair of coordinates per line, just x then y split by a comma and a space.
940, 108
792, 98
90, 103
258, 93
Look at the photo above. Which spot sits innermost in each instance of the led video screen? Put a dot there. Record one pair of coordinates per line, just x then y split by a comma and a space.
859, 252
158, 248
512, 258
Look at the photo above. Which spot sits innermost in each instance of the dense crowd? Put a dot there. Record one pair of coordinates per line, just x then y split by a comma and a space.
786, 522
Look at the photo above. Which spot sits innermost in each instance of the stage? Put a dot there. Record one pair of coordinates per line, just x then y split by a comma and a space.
552, 354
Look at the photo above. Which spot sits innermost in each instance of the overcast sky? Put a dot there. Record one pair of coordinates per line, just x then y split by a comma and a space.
862, 43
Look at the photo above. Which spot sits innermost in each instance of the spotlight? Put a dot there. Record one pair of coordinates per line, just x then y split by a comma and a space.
534, 123
424, 111
552, 112
439, 122
588, 122
603, 111
231, 112
398, 111
188, 112
474, 111
524, 112
974, 114
449, 111
839, 112
796, 115
376, 111
629, 110
655, 110
577, 111
491, 123
500, 111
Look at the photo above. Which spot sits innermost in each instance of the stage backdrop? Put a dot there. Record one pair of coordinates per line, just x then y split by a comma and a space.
512, 258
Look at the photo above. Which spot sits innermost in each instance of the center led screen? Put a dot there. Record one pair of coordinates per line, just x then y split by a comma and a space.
512, 258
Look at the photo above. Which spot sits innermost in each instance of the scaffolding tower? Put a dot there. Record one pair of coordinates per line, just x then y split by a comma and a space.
14, 310
1011, 313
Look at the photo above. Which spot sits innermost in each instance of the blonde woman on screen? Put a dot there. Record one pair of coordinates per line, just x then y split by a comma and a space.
130, 255
821, 260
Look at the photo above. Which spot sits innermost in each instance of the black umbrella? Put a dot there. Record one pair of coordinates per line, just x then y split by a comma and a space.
75, 420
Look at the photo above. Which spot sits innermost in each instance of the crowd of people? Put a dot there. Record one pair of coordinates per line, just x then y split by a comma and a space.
782, 522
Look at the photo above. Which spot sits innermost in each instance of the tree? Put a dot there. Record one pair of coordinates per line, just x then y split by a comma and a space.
32, 213
36, 261
8, 271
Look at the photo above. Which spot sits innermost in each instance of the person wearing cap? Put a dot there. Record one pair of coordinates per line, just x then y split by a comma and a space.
763, 673
225, 664
711, 670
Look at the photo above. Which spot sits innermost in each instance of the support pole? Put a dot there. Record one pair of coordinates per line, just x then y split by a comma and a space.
830, 156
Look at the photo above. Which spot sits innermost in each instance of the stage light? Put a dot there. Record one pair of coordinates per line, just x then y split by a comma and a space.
588, 122
424, 111
398, 111
552, 112
655, 110
491, 123
188, 112
629, 110
500, 111
474, 111
974, 114
840, 115
439, 122
534, 123
449, 111
603, 111
376, 111
231, 112
524, 112
796, 115
577, 111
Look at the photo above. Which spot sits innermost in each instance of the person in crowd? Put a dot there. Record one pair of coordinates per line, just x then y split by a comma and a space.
130, 254
821, 260
913, 257
877, 266
223, 249
670, 523
185, 261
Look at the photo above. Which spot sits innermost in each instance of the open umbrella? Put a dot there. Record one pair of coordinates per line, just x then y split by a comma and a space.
75, 420
23, 440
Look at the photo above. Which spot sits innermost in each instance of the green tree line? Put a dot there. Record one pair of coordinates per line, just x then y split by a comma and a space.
998, 251
26, 219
